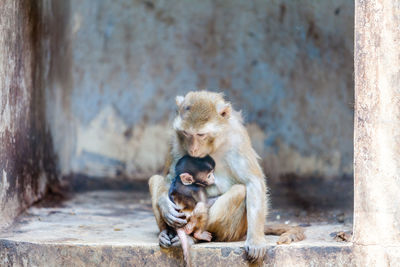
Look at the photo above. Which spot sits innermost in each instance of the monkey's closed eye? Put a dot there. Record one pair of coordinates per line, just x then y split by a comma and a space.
185, 133
202, 136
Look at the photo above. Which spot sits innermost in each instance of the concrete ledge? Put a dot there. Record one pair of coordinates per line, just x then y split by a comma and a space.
113, 228
15, 253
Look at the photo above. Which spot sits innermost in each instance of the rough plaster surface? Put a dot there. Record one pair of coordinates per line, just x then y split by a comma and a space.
109, 147
286, 64
377, 135
26, 158
113, 228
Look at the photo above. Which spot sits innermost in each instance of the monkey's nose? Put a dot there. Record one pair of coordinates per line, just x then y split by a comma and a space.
193, 152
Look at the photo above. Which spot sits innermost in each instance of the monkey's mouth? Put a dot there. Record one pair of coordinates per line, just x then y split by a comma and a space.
198, 155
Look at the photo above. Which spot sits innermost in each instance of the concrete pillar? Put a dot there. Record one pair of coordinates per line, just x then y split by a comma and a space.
377, 132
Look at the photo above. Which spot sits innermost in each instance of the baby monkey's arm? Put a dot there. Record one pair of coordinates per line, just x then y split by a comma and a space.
199, 218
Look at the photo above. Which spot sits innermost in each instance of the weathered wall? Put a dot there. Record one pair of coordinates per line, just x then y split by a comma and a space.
287, 64
26, 158
377, 133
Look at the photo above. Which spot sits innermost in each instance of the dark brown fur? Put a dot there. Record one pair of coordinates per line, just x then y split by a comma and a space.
191, 197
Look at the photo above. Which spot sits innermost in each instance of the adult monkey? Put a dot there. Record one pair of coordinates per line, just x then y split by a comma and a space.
206, 124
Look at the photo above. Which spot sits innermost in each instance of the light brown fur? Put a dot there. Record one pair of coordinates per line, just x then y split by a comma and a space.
287, 233
158, 187
227, 217
241, 207
197, 223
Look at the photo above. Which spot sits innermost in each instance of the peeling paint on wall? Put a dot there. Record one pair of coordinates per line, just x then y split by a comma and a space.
107, 146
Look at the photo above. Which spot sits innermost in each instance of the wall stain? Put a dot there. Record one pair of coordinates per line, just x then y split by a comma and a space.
27, 159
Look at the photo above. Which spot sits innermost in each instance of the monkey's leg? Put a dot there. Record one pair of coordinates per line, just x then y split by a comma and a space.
189, 227
288, 234
202, 235
157, 187
158, 191
198, 220
227, 216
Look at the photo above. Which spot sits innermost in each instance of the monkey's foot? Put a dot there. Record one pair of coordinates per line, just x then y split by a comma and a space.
203, 235
294, 235
189, 227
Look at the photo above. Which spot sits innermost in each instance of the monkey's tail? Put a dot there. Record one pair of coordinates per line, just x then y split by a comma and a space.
185, 246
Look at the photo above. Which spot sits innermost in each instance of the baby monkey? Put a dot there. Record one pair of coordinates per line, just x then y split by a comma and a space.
188, 192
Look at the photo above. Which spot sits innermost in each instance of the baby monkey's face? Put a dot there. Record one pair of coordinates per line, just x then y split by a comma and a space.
201, 178
206, 178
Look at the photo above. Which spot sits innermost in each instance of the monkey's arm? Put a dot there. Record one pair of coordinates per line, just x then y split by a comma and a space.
157, 187
200, 196
256, 213
249, 173
199, 217
168, 162
166, 209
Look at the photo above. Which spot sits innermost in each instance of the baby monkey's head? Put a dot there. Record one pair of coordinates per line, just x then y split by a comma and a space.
199, 171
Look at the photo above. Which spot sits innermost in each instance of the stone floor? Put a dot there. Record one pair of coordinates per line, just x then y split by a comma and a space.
117, 228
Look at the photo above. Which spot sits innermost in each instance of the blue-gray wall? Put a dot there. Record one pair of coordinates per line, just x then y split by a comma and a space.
287, 64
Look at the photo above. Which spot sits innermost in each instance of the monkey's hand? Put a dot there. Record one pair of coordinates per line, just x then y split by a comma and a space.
255, 249
170, 214
164, 239
168, 238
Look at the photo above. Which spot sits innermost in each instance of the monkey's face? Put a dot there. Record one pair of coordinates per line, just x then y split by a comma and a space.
201, 178
196, 144
210, 179
205, 178
200, 123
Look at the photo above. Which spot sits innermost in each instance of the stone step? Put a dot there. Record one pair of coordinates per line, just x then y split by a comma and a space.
117, 228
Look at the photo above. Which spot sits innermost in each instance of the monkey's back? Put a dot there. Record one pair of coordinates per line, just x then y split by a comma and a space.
183, 195
187, 204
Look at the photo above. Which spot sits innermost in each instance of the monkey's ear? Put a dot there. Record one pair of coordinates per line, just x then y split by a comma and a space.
224, 109
186, 178
179, 100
